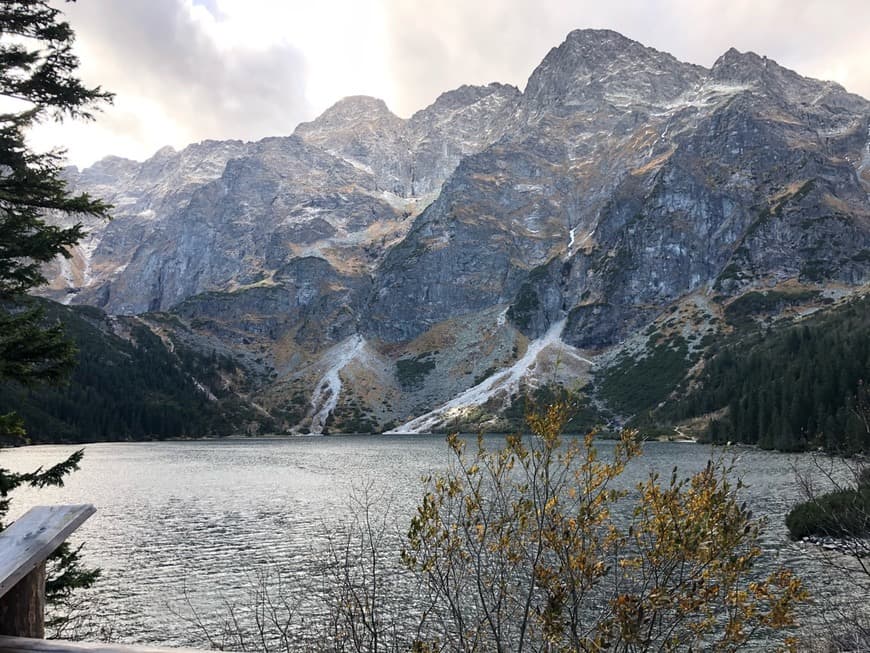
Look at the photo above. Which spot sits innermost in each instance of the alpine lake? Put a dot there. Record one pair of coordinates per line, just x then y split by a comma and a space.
194, 526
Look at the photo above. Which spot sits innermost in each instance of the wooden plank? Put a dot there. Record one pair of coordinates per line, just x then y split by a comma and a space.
26, 544
26, 645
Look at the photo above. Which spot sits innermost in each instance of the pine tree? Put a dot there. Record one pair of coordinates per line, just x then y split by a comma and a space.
36, 73
37, 78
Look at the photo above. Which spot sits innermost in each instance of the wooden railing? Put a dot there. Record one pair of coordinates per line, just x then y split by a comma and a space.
24, 548
29, 645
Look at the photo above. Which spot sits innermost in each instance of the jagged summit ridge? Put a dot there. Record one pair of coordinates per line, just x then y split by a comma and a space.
616, 145
351, 178
596, 83
351, 107
764, 75
411, 158
465, 96
595, 66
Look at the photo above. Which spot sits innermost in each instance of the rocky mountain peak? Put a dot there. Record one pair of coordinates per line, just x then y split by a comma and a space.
595, 44
350, 113
746, 68
413, 157
592, 54
593, 67
467, 95
195, 164
365, 133
109, 165
765, 76
165, 152
459, 123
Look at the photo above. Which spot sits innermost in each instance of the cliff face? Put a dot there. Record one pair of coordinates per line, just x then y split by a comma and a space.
268, 203
225, 215
380, 267
412, 158
647, 179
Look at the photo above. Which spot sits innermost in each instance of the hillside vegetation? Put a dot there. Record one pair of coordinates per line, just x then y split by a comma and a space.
790, 388
127, 388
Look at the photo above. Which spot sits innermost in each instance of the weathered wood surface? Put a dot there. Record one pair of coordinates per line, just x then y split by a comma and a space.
24, 547
26, 645
26, 544
22, 609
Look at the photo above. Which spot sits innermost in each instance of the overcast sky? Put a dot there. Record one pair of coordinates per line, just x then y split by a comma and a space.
187, 70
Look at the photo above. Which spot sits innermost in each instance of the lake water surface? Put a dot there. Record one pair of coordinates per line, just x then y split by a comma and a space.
197, 519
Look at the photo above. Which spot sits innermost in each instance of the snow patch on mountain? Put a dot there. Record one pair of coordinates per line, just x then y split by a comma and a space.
87, 247
325, 397
503, 384
865, 162
574, 244
359, 165
204, 389
66, 272
703, 96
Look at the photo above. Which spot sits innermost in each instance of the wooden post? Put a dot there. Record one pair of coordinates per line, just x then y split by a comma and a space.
24, 547
22, 609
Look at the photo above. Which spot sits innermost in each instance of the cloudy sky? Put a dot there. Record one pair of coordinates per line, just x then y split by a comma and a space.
187, 70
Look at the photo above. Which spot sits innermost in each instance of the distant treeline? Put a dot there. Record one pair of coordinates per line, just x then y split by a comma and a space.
126, 389
791, 388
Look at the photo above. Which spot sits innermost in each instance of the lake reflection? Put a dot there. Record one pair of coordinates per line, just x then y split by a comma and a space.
196, 519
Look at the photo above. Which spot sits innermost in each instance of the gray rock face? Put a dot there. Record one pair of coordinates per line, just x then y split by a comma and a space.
308, 302
225, 215
595, 68
755, 194
412, 158
618, 182
365, 133
522, 201
274, 203
471, 248
458, 124
146, 197
652, 179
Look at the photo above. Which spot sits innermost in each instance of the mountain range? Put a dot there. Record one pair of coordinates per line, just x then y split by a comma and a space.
370, 273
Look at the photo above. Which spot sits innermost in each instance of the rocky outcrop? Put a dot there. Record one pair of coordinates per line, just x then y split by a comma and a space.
412, 158
458, 124
364, 132
307, 301
593, 70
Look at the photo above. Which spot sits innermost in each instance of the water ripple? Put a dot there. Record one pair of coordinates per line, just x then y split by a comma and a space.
181, 522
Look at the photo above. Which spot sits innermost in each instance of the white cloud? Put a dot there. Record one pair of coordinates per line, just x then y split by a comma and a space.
178, 78
454, 41
184, 70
